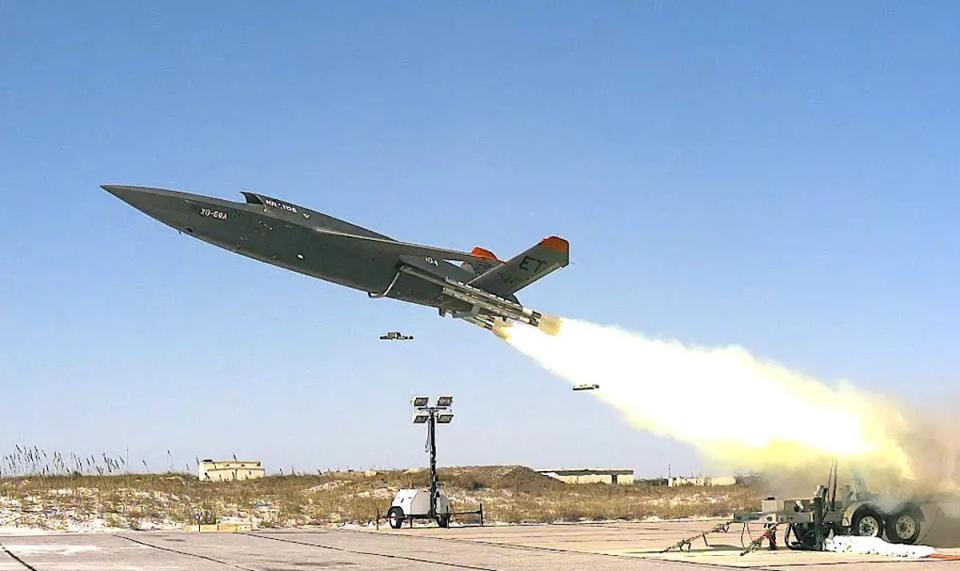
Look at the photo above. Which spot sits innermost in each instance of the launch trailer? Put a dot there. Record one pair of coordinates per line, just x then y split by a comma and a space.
855, 511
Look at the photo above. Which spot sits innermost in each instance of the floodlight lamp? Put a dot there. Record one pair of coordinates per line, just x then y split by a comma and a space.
444, 417
444, 401
419, 401
420, 418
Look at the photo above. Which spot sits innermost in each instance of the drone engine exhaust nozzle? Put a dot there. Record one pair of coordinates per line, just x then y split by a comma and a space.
550, 324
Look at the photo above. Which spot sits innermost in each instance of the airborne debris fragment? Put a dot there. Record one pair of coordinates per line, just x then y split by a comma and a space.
395, 336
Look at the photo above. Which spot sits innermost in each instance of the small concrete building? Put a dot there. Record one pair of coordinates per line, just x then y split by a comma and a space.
677, 481
591, 476
226, 470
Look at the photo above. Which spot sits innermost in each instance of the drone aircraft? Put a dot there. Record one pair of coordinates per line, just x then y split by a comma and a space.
479, 289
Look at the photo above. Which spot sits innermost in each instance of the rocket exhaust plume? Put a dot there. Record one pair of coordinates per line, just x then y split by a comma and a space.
739, 410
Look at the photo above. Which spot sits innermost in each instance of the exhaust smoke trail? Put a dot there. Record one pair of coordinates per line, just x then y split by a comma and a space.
739, 410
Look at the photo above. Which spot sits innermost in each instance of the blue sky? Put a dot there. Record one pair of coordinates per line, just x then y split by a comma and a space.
782, 176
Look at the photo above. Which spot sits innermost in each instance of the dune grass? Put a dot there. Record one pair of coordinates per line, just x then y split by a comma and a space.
511, 494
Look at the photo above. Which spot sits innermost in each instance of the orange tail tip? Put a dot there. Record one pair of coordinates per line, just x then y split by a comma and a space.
556, 243
479, 252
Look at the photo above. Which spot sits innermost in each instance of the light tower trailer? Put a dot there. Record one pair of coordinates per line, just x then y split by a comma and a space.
432, 503
854, 512
411, 504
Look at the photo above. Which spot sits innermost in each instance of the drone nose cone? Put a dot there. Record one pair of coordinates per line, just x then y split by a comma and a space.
150, 200
164, 205
132, 195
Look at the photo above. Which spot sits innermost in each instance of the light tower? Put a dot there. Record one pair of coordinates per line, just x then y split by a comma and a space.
439, 413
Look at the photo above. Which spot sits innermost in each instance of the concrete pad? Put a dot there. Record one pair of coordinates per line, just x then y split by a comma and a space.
646, 540
597, 547
88, 552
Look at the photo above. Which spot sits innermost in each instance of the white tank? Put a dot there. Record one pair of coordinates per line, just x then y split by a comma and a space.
417, 502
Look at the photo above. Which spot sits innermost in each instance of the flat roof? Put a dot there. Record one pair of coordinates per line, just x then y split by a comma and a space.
587, 471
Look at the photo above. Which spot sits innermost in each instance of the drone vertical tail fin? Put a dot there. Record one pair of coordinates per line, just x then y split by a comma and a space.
525, 268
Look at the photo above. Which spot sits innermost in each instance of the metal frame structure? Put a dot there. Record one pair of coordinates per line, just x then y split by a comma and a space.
811, 520
441, 412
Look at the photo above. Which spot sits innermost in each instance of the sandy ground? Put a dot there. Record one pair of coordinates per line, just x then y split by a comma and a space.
598, 547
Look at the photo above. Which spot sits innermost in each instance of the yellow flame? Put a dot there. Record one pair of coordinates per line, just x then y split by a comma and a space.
737, 409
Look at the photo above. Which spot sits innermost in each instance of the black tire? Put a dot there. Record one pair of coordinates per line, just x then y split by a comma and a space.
395, 517
867, 522
904, 526
443, 520
805, 535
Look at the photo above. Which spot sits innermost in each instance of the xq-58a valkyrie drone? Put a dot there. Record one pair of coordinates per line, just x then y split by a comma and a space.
479, 290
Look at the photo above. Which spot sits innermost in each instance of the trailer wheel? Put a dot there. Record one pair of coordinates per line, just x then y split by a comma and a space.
805, 534
867, 522
395, 517
904, 527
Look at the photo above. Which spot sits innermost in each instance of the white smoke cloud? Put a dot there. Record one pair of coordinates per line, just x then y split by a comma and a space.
741, 411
